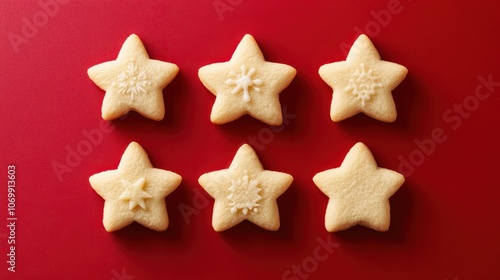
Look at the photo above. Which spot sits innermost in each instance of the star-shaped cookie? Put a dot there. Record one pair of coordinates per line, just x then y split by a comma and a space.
135, 191
133, 82
246, 84
245, 191
359, 191
363, 83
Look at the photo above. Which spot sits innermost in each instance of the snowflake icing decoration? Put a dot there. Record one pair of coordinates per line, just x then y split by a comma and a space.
244, 195
132, 81
363, 84
244, 81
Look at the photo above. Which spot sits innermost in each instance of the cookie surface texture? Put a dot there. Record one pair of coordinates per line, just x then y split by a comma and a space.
359, 191
245, 191
135, 191
246, 84
133, 82
363, 83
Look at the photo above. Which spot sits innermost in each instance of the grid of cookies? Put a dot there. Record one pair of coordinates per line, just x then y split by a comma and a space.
247, 84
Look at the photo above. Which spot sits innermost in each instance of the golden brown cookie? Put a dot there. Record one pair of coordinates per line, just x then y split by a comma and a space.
133, 82
363, 83
247, 84
135, 191
359, 191
245, 191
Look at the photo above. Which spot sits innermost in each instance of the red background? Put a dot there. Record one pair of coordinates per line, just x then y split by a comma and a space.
444, 223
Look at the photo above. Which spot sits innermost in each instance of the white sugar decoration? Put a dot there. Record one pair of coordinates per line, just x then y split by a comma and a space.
244, 81
133, 81
244, 195
363, 84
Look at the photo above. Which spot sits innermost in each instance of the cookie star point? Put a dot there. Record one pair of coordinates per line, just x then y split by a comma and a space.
246, 84
133, 82
363, 83
248, 47
245, 191
358, 191
135, 191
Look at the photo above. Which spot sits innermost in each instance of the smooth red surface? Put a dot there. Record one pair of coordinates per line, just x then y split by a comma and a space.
445, 221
